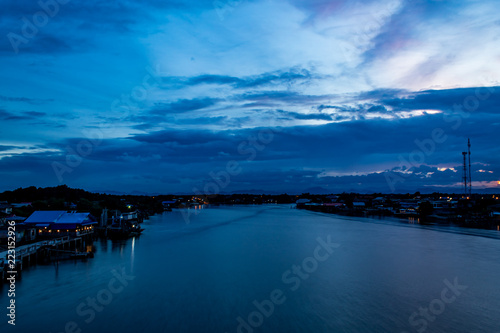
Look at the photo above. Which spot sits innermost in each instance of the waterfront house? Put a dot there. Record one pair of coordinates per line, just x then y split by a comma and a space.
169, 203
358, 204
331, 207
334, 204
57, 223
332, 198
313, 204
440, 204
134, 217
301, 202
21, 204
494, 212
5, 208
23, 233
409, 204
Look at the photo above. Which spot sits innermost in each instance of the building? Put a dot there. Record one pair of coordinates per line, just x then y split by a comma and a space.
334, 204
169, 203
23, 232
5, 208
358, 204
409, 204
57, 223
21, 204
302, 202
440, 204
494, 212
332, 198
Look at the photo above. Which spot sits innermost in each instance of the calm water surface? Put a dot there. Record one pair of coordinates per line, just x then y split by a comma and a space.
215, 272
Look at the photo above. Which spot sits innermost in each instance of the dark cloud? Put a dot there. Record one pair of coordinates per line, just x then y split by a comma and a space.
401, 28
34, 101
377, 108
477, 99
209, 79
203, 120
379, 94
281, 77
272, 98
294, 157
147, 121
289, 159
184, 151
305, 116
4, 147
184, 105
35, 114
6, 116
73, 26
184, 137
26, 115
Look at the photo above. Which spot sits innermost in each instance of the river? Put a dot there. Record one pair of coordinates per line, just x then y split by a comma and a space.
269, 269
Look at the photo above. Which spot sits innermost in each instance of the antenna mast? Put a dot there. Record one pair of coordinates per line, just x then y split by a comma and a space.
470, 173
465, 172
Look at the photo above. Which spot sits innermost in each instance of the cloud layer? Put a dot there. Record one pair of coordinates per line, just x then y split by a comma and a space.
165, 96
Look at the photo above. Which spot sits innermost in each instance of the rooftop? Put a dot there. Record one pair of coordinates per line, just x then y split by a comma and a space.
60, 217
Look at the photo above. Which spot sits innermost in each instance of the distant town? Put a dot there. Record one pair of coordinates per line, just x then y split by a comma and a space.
60, 223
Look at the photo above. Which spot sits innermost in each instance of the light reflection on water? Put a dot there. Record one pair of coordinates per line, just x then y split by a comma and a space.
203, 275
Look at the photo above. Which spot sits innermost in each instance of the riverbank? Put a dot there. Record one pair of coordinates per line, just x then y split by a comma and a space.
203, 275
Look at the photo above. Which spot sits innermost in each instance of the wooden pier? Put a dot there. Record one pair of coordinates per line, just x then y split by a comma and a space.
56, 249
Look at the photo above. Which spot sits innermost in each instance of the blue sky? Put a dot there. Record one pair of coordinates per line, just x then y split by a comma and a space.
238, 96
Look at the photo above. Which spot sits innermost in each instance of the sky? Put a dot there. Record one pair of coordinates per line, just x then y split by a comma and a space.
208, 97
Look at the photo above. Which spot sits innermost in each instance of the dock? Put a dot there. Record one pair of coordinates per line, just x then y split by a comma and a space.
58, 249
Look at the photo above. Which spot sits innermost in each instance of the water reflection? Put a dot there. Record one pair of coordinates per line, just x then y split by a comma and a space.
132, 253
203, 276
414, 220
